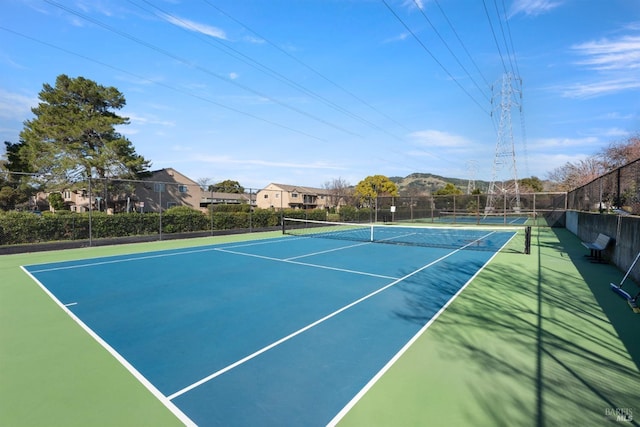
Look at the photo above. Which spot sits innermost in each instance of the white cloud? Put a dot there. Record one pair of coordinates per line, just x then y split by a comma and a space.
414, 3
616, 62
541, 165
254, 40
533, 7
197, 27
398, 38
545, 144
436, 138
226, 160
605, 54
149, 120
15, 106
597, 88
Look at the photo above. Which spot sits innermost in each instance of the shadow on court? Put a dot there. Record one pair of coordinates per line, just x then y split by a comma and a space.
542, 339
598, 277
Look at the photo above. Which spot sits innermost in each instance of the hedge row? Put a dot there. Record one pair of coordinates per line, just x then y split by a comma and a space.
26, 227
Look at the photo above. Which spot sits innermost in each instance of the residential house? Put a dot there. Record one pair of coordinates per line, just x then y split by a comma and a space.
216, 198
283, 196
74, 200
166, 188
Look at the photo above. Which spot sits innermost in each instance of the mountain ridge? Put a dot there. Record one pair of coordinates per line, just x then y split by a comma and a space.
428, 183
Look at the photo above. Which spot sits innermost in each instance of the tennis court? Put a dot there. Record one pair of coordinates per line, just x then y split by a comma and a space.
282, 331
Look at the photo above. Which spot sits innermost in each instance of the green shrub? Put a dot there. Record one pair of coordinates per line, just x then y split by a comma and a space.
27, 227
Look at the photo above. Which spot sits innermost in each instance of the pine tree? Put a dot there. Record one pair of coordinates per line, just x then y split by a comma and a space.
73, 133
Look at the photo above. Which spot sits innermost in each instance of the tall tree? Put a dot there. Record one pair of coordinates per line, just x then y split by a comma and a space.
340, 190
373, 186
531, 185
227, 186
447, 190
73, 133
620, 153
14, 187
573, 175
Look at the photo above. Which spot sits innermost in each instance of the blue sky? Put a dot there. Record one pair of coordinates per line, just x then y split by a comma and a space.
307, 91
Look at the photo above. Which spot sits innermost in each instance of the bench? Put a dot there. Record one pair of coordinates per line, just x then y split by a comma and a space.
597, 247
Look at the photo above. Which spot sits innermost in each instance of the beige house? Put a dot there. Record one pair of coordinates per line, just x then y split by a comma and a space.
164, 189
216, 198
75, 200
283, 196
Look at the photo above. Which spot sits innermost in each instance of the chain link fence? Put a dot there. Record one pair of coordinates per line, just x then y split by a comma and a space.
616, 190
99, 211
537, 209
125, 210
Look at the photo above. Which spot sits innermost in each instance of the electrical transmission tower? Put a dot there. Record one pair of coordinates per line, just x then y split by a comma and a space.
504, 181
472, 169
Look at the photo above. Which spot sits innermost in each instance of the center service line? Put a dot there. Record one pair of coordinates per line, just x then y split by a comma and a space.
306, 328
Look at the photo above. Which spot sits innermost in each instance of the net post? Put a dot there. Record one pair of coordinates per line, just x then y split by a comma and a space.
527, 240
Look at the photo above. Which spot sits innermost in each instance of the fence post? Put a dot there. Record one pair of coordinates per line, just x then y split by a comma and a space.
90, 211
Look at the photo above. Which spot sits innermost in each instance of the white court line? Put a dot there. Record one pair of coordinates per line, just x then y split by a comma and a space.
306, 328
328, 250
170, 405
324, 267
161, 255
399, 354
71, 304
116, 261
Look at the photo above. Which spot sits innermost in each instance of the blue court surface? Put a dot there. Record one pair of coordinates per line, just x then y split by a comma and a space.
273, 332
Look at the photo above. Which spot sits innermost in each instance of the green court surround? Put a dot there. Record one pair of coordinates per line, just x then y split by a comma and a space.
535, 340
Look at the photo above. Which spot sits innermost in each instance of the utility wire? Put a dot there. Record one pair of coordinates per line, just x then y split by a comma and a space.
495, 39
163, 14
204, 70
504, 39
426, 49
435, 30
184, 92
515, 58
307, 66
486, 82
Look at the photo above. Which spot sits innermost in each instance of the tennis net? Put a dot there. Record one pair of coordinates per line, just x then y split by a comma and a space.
508, 239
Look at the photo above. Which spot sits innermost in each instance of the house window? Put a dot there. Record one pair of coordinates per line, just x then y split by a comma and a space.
182, 188
266, 196
171, 205
294, 195
277, 195
158, 187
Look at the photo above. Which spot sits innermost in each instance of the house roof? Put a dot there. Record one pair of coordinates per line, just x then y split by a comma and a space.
182, 178
301, 189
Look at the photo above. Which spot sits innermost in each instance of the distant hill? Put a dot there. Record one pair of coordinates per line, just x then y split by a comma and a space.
426, 183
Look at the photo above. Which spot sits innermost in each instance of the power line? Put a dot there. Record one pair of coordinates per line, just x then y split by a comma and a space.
435, 30
229, 50
504, 67
426, 49
184, 92
504, 38
486, 82
307, 66
204, 70
515, 58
